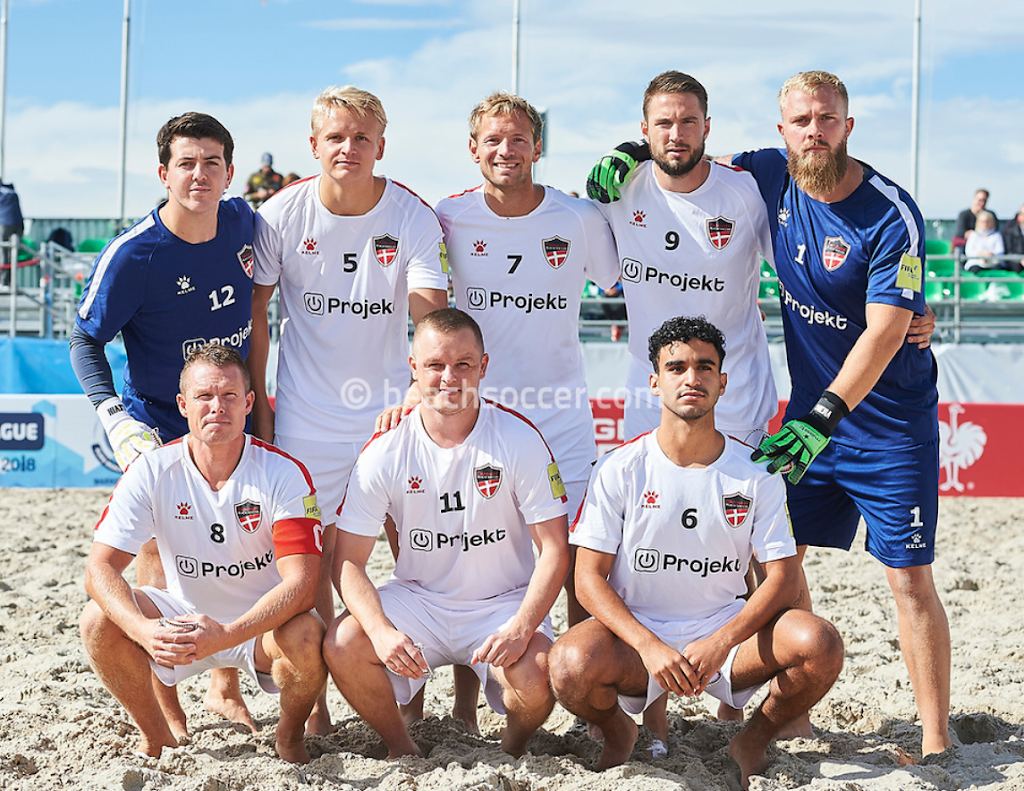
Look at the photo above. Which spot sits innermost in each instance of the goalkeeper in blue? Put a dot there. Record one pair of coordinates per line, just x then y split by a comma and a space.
860, 435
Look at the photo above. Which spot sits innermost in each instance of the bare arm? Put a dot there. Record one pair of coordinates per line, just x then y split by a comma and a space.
872, 353
395, 649
596, 594
776, 593
505, 647
106, 585
259, 349
421, 302
424, 300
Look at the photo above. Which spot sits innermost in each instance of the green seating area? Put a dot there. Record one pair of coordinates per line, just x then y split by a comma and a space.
92, 245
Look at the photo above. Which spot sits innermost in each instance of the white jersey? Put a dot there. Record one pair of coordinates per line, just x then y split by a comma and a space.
682, 538
522, 278
344, 284
699, 253
462, 513
219, 550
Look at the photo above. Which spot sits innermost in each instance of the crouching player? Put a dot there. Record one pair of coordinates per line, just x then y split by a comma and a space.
668, 528
238, 530
472, 488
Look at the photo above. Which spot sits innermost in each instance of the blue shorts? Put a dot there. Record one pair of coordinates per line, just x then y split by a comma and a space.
896, 491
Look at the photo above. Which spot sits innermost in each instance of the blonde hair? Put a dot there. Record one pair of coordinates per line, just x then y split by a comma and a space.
507, 104
810, 82
360, 102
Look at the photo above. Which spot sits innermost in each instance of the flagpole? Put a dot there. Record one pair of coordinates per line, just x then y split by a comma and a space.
124, 112
515, 47
3, 81
915, 113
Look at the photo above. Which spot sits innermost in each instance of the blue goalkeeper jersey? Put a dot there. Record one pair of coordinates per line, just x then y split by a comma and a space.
832, 260
166, 297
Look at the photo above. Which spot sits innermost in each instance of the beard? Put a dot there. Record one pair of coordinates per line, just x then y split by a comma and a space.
677, 167
818, 173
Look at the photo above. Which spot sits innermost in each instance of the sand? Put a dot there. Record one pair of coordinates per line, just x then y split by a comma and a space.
59, 728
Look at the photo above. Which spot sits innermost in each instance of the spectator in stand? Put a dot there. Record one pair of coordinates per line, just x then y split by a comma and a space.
11, 223
967, 218
1013, 241
289, 179
263, 183
984, 244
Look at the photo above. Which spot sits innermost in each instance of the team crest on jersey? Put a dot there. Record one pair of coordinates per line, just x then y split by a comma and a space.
736, 507
488, 480
248, 515
246, 259
556, 251
720, 231
835, 252
386, 249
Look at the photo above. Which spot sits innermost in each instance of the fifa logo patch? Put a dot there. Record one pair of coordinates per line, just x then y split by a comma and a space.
249, 515
385, 248
720, 231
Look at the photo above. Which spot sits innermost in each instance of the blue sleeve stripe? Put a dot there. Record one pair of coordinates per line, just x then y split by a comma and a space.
893, 194
103, 262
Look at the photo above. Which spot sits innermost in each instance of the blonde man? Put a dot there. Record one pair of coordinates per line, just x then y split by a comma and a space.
354, 255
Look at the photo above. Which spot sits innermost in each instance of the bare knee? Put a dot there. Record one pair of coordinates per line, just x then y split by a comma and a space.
301, 640
345, 644
569, 663
94, 626
817, 642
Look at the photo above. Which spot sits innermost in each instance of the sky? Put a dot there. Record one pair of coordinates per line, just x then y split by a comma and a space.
257, 65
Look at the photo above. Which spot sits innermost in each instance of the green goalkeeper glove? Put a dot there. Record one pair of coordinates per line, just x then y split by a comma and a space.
613, 169
799, 442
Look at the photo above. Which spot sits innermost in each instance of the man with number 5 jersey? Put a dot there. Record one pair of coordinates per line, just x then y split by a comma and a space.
354, 255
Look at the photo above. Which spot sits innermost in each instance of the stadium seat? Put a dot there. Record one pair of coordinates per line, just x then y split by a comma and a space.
769, 290
31, 253
937, 247
937, 290
92, 245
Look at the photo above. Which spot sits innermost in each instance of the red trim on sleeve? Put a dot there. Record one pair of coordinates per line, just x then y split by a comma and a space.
274, 449
417, 197
296, 537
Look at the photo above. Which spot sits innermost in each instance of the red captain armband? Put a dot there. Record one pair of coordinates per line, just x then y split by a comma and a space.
299, 536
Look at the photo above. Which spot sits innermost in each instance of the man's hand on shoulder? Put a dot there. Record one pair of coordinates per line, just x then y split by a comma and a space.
129, 438
922, 328
611, 172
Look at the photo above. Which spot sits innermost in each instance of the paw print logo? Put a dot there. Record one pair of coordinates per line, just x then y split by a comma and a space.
649, 500
638, 217
184, 283
415, 485
183, 509
309, 246
479, 247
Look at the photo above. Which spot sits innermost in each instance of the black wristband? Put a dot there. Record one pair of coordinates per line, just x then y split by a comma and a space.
826, 414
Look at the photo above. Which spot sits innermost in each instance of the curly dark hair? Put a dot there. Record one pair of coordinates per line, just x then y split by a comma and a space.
680, 330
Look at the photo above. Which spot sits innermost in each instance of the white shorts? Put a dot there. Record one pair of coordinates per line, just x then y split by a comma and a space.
330, 464
678, 636
242, 656
449, 633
